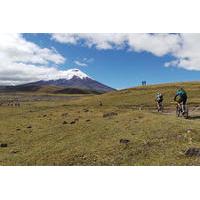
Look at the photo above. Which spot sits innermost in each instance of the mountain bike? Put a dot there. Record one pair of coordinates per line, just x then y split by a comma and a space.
179, 110
160, 106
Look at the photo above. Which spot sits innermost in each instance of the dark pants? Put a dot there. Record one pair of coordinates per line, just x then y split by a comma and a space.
183, 100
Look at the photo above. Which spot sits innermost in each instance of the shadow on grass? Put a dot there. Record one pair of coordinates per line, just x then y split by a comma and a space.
194, 117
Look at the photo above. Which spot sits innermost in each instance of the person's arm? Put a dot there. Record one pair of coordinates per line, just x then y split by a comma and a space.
175, 97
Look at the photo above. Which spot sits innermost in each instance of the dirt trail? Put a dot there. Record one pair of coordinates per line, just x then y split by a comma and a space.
194, 112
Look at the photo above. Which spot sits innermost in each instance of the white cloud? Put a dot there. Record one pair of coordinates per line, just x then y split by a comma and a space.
188, 56
185, 48
66, 38
88, 60
157, 44
82, 64
23, 61
15, 48
99, 40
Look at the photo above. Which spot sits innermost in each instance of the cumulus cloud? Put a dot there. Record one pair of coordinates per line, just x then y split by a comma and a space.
23, 61
188, 56
99, 40
157, 44
184, 48
16, 49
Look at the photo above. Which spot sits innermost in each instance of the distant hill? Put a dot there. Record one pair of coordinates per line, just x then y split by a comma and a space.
145, 95
46, 89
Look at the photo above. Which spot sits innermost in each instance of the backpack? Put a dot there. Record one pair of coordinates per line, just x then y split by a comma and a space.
181, 93
159, 97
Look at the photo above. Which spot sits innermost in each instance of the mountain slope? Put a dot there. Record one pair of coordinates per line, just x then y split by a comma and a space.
74, 78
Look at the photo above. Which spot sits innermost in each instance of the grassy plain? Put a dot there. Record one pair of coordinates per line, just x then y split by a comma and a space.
60, 130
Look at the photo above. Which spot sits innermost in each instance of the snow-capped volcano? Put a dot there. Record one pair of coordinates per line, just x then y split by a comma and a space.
73, 78
71, 73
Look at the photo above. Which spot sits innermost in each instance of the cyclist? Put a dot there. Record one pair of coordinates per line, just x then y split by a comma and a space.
159, 100
181, 97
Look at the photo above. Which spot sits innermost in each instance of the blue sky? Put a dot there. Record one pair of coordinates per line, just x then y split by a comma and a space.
114, 63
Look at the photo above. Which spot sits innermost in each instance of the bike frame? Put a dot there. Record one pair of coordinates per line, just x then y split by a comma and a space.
179, 110
160, 106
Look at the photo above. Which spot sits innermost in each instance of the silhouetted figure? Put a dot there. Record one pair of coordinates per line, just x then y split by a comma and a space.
144, 83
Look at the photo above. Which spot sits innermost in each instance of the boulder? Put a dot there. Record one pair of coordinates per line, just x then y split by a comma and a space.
3, 145
124, 141
192, 152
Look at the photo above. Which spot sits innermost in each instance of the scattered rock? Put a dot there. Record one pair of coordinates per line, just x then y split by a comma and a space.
64, 114
189, 130
29, 126
3, 145
140, 117
192, 152
14, 151
18, 129
88, 120
85, 110
65, 122
110, 114
44, 115
140, 108
76, 120
124, 141
73, 122
100, 103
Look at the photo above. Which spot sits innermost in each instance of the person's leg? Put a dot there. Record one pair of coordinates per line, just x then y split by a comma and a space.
161, 105
184, 104
179, 102
158, 105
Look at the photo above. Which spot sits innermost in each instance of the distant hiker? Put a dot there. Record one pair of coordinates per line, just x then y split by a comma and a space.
144, 83
159, 100
181, 98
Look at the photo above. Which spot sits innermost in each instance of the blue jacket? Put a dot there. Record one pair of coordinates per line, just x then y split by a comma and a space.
181, 93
